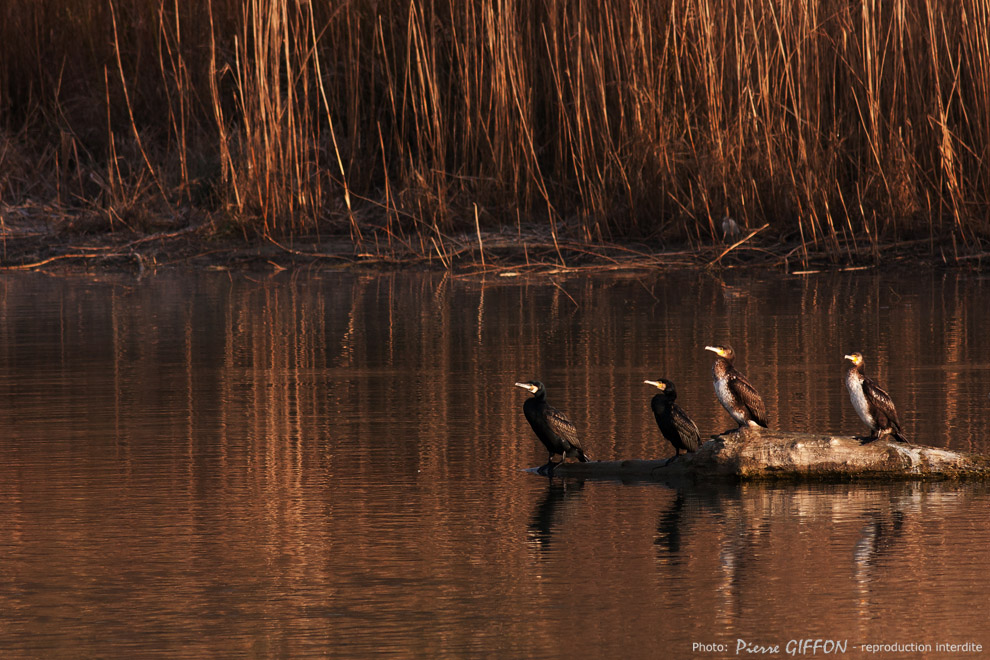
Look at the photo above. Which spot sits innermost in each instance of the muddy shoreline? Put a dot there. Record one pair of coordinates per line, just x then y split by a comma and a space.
509, 253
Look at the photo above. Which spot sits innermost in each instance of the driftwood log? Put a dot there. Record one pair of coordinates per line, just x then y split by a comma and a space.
763, 455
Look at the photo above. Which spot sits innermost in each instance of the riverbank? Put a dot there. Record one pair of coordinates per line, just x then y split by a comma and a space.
29, 242
487, 135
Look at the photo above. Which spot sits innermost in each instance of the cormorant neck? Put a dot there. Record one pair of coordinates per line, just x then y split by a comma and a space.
663, 399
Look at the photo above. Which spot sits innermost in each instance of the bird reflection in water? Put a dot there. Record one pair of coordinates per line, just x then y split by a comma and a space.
883, 531
745, 519
549, 510
877, 538
669, 527
736, 518
688, 505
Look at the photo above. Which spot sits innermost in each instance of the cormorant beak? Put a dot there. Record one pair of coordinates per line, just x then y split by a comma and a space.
655, 383
716, 350
527, 386
853, 358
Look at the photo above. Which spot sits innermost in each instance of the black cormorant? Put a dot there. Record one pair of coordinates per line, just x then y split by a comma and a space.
674, 423
733, 390
873, 405
551, 426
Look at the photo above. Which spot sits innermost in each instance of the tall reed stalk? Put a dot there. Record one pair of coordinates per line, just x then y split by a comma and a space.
836, 123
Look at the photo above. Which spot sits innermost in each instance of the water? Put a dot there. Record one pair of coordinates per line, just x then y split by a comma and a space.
329, 464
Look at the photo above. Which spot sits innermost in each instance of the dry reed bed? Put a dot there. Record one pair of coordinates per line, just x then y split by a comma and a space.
841, 125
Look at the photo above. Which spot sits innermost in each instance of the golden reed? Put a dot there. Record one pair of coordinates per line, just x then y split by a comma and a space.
839, 124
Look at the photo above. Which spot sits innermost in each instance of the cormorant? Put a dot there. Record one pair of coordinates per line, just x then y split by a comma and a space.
551, 426
674, 423
733, 390
873, 405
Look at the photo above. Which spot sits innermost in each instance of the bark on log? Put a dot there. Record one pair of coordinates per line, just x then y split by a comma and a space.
762, 454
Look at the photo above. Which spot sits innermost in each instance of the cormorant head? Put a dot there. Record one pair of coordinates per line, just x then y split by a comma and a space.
534, 386
664, 385
724, 351
856, 359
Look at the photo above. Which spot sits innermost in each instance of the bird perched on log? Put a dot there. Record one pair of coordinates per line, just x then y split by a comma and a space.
551, 426
734, 392
873, 405
675, 425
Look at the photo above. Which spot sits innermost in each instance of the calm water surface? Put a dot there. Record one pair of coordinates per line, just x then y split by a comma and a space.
313, 465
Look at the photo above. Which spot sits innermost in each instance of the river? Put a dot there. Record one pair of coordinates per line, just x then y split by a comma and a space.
331, 464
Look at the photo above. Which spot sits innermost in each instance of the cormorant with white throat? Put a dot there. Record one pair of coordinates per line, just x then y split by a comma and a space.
551, 426
734, 392
873, 405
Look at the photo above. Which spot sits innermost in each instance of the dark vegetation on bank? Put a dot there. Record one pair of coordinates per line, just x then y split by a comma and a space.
482, 132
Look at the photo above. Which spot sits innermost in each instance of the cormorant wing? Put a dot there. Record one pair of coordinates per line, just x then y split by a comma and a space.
750, 398
686, 428
562, 426
877, 397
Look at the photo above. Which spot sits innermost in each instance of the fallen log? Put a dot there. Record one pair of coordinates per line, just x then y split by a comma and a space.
764, 455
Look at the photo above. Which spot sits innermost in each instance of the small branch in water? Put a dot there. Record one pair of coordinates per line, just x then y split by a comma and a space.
77, 255
981, 255
49, 260
477, 227
569, 296
439, 253
737, 244
304, 253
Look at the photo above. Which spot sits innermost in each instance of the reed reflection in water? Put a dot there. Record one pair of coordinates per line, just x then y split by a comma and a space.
329, 464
